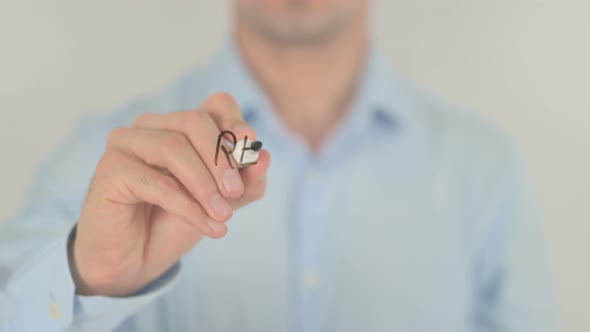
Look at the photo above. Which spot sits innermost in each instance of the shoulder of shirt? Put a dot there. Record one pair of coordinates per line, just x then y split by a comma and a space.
460, 134
87, 138
471, 156
184, 93
445, 126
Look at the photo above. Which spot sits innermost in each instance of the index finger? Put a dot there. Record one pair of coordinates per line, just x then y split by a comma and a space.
226, 113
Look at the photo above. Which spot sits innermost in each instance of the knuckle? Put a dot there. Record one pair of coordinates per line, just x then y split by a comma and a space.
144, 180
142, 118
200, 116
164, 184
193, 118
223, 100
108, 160
116, 135
175, 142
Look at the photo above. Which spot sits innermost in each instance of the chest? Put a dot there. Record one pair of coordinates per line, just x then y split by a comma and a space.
389, 238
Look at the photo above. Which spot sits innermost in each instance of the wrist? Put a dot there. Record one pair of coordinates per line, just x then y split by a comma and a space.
81, 287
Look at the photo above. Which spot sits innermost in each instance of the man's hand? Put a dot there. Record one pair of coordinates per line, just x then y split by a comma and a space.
156, 192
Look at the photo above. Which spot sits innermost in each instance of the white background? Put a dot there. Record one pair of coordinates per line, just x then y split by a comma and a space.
521, 64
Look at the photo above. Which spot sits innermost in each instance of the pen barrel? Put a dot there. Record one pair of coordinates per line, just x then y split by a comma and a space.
246, 152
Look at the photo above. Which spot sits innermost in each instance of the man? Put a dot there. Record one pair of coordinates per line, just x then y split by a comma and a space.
384, 209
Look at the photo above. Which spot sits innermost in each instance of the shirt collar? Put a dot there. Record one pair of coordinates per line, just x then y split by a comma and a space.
379, 98
384, 97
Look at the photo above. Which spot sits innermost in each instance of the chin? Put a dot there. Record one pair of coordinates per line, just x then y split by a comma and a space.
300, 21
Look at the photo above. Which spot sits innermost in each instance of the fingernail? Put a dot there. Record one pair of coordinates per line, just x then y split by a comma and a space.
233, 182
216, 226
220, 205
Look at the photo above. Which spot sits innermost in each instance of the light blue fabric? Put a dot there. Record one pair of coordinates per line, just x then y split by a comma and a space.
414, 217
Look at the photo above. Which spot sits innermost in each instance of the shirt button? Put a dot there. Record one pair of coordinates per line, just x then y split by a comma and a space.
311, 280
54, 310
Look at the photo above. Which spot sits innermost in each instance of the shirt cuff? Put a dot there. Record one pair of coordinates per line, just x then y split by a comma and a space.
103, 312
43, 295
42, 290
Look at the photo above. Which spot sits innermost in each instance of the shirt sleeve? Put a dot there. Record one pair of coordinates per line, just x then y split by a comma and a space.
515, 285
37, 292
40, 295
101, 313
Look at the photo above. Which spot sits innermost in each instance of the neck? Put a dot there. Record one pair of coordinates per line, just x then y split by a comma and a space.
310, 87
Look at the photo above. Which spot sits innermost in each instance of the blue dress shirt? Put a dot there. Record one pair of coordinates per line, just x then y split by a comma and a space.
413, 217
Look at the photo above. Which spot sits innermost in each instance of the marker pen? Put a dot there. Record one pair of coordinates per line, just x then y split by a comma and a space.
246, 152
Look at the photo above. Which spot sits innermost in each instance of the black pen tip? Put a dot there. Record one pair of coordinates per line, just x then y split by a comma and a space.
256, 145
